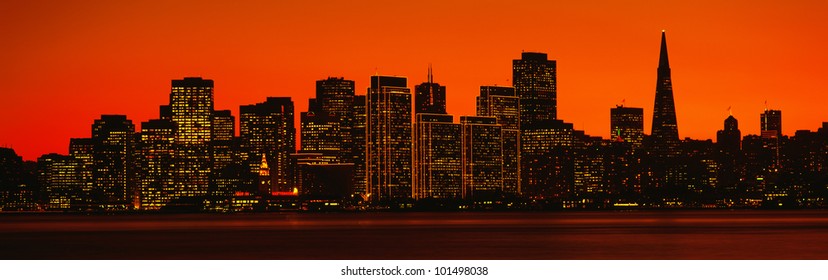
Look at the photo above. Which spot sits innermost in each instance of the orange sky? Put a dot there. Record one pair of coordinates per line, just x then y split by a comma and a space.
64, 63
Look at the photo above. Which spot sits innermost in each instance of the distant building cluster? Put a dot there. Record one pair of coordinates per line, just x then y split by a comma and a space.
391, 148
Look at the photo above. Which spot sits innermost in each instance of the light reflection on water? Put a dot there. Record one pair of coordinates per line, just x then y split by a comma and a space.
469, 235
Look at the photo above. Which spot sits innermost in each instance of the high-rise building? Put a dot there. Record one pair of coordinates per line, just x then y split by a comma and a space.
321, 133
388, 152
157, 162
535, 81
335, 99
430, 97
11, 179
63, 179
589, 166
482, 156
503, 104
268, 128
224, 131
729, 139
224, 151
437, 157
547, 156
83, 149
113, 172
359, 137
627, 125
771, 122
729, 142
191, 109
224, 125
665, 139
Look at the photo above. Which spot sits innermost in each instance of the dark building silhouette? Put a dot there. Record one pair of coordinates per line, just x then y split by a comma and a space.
535, 81
664, 137
388, 150
437, 157
191, 109
627, 126
771, 123
268, 128
588, 167
114, 165
547, 157
430, 97
16, 192
699, 170
729, 139
503, 104
323, 181
729, 146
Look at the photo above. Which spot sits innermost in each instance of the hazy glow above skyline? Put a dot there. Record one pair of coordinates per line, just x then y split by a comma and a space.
65, 64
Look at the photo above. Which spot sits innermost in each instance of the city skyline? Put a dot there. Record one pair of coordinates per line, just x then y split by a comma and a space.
367, 152
742, 53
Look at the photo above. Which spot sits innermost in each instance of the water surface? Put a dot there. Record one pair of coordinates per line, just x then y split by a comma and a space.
718, 234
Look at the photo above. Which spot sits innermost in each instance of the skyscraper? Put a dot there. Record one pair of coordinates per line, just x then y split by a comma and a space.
437, 157
321, 133
335, 100
430, 97
729, 142
665, 139
482, 157
500, 102
771, 122
729, 139
268, 128
627, 125
547, 157
224, 154
157, 161
113, 172
535, 81
191, 109
503, 104
83, 149
359, 137
388, 152
64, 181
11, 178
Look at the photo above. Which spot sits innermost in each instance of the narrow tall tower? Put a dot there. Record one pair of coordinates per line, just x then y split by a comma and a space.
430, 97
665, 137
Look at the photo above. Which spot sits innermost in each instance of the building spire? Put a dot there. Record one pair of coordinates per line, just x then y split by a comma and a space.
430, 75
663, 60
665, 128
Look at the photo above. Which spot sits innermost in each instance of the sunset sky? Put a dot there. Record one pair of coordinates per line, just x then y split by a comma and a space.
64, 63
